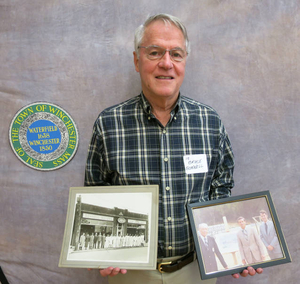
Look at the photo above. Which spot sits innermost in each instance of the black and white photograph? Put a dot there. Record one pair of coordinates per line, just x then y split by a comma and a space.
235, 233
112, 225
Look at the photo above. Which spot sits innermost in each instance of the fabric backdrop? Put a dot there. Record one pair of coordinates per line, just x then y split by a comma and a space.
78, 54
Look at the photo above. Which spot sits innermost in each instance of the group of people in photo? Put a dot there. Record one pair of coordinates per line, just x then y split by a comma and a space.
124, 241
251, 244
104, 241
91, 241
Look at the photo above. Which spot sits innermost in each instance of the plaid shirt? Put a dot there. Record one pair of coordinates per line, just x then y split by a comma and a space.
129, 146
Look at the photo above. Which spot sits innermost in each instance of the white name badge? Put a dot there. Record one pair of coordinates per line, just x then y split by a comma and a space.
195, 164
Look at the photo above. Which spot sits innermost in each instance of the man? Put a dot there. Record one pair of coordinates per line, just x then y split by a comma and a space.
82, 241
269, 237
96, 238
92, 241
103, 238
209, 249
99, 243
152, 138
87, 241
250, 245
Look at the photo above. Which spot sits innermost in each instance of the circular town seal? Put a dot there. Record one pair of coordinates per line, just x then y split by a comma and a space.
43, 136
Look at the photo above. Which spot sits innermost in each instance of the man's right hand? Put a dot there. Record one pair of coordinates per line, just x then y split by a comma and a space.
112, 271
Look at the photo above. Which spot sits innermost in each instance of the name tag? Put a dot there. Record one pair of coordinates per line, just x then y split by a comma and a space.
195, 164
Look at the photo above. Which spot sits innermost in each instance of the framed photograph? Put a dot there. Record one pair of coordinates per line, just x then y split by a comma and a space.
111, 226
233, 233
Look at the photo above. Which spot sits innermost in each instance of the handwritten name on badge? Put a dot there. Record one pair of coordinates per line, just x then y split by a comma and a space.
195, 164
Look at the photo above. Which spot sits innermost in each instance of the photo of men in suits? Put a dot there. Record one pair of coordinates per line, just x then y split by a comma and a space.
250, 245
209, 249
269, 237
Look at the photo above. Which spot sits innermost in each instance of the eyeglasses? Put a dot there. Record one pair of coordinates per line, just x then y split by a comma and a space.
154, 52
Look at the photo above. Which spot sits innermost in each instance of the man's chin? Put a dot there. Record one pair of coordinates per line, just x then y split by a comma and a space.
167, 94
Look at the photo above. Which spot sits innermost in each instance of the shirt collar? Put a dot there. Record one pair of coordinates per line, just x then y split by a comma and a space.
203, 238
147, 107
145, 104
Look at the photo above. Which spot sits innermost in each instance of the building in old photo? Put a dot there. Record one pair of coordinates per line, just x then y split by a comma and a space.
92, 219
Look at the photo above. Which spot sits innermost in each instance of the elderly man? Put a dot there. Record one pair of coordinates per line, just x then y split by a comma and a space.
162, 137
269, 237
250, 245
209, 249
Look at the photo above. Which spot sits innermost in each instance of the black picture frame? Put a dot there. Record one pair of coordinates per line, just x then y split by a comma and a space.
125, 221
227, 244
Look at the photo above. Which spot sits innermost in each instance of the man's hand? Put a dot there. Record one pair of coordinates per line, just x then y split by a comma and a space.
249, 271
112, 271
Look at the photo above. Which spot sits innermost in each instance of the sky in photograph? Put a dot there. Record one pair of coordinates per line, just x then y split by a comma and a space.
134, 202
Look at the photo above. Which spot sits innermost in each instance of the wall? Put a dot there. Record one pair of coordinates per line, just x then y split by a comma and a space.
78, 54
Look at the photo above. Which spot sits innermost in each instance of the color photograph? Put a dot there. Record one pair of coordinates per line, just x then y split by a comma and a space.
235, 233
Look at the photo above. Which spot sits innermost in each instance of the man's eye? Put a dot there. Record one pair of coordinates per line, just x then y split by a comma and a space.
177, 54
155, 52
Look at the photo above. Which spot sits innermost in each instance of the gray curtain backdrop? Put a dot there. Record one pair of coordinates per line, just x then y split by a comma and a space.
78, 54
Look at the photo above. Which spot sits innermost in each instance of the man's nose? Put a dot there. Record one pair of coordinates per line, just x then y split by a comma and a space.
166, 61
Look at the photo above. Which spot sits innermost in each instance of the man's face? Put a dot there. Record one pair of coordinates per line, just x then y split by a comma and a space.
161, 78
242, 223
264, 217
203, 231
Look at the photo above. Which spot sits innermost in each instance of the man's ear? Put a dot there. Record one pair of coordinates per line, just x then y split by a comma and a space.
136, 62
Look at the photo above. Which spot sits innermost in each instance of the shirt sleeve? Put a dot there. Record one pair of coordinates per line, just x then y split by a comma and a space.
95, 169
222, 181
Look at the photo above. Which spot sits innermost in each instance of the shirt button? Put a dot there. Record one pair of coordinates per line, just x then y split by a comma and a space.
164, 131
149, 117
175, 117
169, 247
168, 188
169, 219
166, 159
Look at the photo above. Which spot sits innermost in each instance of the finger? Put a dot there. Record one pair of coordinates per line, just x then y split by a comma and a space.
107, 271
115, 271
259, 270
244, 273
251, 271
236, 276
123, 271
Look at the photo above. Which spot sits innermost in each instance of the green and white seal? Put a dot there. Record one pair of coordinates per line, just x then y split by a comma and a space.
43, 136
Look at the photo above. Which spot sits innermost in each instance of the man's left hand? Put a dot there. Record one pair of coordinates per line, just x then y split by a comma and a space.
249, 271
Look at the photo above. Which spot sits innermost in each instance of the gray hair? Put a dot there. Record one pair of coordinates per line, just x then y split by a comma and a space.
202, 225
167, 19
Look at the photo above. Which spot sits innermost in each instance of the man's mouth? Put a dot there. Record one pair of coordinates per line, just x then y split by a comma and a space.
165, 77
